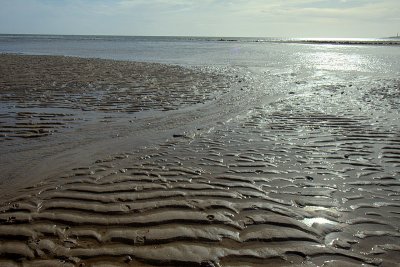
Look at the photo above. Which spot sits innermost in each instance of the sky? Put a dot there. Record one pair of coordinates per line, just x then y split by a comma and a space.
253, 18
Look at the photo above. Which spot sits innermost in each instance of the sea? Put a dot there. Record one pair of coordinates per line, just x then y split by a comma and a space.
381, 55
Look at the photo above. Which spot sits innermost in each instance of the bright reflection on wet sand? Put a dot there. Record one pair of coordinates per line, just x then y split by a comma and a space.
329, 57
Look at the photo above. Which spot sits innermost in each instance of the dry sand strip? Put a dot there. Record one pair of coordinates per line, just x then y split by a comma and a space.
310, 180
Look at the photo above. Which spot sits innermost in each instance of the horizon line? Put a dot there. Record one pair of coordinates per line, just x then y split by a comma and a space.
198, 36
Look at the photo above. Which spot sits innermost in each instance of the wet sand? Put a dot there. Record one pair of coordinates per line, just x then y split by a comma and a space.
58, 113
308, 177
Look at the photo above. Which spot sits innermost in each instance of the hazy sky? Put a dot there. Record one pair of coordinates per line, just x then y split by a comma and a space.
275, 18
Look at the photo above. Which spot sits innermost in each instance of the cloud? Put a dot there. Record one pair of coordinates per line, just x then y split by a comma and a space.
206, 17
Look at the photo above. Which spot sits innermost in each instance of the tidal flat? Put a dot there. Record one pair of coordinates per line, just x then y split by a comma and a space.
118, 163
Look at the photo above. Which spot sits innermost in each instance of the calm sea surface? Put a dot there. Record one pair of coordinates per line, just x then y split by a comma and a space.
374, 56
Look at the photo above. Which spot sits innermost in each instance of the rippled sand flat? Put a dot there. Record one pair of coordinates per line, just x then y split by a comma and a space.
307, 179
51, 105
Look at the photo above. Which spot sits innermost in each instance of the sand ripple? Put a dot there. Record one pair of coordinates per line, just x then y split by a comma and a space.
306, 180
48, 83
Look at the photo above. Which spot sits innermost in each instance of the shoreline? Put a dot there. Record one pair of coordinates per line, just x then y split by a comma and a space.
350, 41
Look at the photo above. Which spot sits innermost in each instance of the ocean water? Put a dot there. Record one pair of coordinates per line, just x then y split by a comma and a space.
300, 56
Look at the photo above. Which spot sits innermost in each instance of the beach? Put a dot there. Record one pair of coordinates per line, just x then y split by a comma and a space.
55, 107
121, 163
